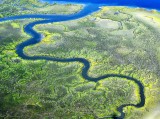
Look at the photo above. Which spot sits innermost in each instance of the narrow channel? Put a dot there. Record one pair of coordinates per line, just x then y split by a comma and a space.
36, 38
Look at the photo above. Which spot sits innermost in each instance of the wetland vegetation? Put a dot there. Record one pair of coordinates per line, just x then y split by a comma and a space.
115, 40
20, 7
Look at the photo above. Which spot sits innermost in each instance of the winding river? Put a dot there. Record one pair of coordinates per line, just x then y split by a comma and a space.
36, 38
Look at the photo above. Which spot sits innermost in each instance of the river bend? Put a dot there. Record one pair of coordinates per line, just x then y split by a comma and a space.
36, 38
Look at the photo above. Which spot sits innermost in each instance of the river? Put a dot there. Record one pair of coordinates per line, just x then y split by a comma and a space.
88, 9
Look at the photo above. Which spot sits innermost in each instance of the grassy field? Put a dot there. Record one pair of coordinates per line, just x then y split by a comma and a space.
115, 40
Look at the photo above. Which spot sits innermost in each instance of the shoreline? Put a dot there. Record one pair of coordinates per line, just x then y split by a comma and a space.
100, 5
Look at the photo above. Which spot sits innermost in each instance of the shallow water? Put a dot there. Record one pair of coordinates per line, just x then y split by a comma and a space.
150, 4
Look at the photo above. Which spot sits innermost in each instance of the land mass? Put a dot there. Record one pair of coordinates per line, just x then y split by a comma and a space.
115, 40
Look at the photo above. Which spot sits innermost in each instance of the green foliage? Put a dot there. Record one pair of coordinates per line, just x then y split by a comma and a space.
112, 43
19, 7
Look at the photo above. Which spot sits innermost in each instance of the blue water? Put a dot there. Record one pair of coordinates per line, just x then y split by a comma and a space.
150, 4
88, 9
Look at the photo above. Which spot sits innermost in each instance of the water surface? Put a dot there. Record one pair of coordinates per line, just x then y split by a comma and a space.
150, 4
